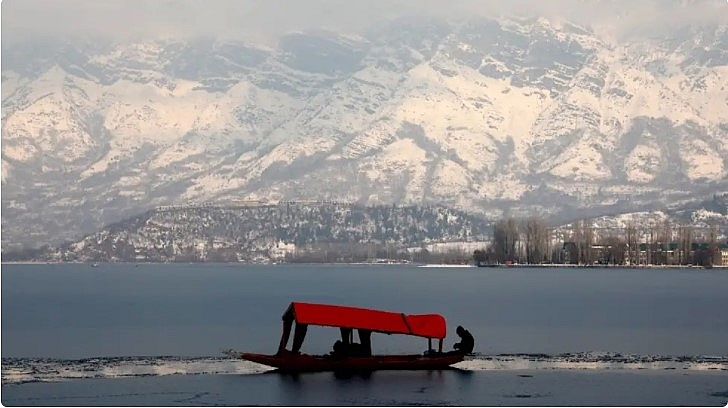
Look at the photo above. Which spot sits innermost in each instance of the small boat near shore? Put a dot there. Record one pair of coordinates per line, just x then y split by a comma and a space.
356, 357
302, 363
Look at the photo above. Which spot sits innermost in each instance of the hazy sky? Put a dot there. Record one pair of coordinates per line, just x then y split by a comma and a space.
263, 20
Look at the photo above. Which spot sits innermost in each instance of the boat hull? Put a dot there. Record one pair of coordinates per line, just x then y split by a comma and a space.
299, 363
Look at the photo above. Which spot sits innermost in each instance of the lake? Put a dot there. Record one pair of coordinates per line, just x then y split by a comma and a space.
116, 334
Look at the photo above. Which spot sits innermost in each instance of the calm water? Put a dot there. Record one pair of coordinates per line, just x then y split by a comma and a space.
589, 326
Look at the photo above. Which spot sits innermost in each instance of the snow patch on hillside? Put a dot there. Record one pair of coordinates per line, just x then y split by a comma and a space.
703, 162
175, 154
5, 171
704, 215
581, 162
642, 163
21, 150
209, 184
403, 163
502, 186
11, 82
450, 180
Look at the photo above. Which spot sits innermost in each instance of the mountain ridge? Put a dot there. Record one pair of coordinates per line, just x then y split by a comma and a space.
489, 116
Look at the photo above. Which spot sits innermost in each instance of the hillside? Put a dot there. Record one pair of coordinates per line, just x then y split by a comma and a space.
265, 233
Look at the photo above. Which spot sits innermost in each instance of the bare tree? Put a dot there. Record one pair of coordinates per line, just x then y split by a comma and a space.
632, 242
536, 239
664, 239
498, 247
614, 250
588, 243
583, 238
576, 239
685, 244
505, 238
713, 250
512, 238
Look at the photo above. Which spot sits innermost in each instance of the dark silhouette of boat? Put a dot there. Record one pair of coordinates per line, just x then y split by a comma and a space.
356, 357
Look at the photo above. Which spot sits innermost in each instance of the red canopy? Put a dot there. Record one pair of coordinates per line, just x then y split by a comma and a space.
425, 325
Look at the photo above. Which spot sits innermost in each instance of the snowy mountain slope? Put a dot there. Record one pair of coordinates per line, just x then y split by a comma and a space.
487, 116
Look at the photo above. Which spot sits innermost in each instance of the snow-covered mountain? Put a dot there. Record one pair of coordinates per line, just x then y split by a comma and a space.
518, 115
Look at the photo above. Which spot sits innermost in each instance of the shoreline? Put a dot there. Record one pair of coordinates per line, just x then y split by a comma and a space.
605, 266
421, 265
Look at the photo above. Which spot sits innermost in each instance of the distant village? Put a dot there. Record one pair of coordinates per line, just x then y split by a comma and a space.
338, 232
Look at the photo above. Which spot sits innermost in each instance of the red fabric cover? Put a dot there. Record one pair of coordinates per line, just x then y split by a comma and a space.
430, 325
426, 325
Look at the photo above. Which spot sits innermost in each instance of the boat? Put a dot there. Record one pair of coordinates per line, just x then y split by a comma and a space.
356, 357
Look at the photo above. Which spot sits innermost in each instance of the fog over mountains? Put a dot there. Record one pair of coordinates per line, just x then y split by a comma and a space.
490, 116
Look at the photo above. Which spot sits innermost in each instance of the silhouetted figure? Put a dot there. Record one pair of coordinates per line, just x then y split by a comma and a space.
347, 348
342, 350
357, 350
467, 343
339, 349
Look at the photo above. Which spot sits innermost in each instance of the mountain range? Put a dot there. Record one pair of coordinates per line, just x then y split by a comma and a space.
490, 116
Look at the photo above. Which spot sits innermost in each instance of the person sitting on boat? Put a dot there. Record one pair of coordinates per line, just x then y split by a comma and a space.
346, 348
342, 349
339, 349
466, 344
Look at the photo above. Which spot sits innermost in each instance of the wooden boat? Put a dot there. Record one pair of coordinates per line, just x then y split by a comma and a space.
353, 357
300, 363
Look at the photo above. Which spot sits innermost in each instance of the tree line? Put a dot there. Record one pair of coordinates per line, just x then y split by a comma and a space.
532, 241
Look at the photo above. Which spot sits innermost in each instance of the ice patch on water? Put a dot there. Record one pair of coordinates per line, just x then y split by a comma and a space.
591, 361
445, 266
48, 370
22, 370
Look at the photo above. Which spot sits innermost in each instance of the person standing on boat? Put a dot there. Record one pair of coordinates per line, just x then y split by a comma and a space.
467, 343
